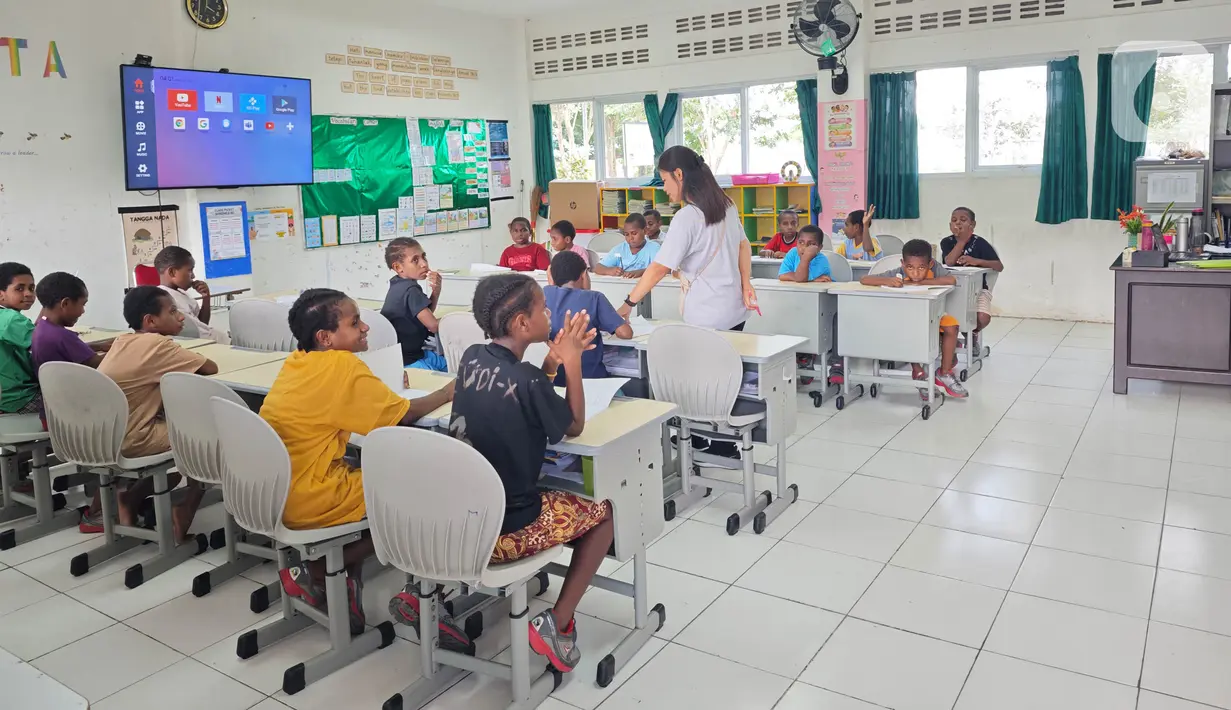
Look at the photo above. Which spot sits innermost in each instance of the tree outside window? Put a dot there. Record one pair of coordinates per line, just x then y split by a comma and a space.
1180, 113
712, 128
572, 128
1012, 115
628, 149
775, 133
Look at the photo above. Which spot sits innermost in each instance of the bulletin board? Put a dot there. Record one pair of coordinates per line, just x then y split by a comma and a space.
376, 178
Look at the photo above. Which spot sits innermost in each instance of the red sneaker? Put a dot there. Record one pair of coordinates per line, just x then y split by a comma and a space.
297, 582
404, 608
91, 523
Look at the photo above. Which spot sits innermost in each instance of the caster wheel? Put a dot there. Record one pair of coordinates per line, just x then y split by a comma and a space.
873, 391
963, 375
758, 523
669, 510
733, 524
606, 671
927, 411
816, 399
839, 403
860, 390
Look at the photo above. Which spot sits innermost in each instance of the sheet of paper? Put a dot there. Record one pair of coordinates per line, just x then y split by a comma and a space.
329, 230
367, 228
387, 223
348, 230
405, 222
641, 326
432, 194
420, 225
487, 268
406, 202
421, 200
429, 157
412, 131
268, 225
599, 394
453, 141
430, 223
446, 197
312, 232
343, 175
483, 216
227, 232
910, 289
455, 222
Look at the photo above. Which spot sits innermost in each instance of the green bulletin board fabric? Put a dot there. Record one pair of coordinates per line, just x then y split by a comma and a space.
464, 176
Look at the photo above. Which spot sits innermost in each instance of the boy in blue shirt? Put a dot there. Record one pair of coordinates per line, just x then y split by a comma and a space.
631, 258
805, 262
571, 294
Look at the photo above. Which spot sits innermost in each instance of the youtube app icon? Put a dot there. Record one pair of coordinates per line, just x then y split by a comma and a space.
182, 99
269, 125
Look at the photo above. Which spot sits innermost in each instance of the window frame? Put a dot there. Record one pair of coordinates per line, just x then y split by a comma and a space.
740, 90
1220, 52
600, 138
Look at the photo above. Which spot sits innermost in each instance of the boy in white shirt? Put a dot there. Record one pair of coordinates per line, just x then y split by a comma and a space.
175, 274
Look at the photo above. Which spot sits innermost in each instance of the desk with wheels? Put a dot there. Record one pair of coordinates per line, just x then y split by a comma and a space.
899, 325
963, 304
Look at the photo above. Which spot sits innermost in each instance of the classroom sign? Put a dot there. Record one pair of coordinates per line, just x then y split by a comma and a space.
842, 158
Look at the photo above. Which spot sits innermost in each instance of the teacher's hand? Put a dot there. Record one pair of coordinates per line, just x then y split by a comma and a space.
750, 297
624, 310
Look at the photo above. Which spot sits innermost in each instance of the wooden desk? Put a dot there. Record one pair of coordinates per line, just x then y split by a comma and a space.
231, 359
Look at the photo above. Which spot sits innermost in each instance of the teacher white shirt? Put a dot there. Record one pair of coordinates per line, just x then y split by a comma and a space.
708, 256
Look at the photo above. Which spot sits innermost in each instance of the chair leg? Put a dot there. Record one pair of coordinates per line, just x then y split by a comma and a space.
787, 494
530, 689
754, 502
691, 490
113, 544
169, 554
236, 563
12, 510
50, 513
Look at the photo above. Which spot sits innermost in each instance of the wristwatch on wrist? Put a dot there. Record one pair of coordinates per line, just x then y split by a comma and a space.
629, 303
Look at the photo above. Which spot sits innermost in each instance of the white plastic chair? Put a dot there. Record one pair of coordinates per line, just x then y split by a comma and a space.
839, 267
535, 353
605, 241
21, 433
258, 324
441, 524
826, 242
198, 455
593, 258
889, 244
700, 371
887, 263
380, 331
386, 364
457, 332
256, 478
87, 415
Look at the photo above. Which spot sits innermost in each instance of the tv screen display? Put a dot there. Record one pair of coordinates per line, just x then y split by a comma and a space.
188, 129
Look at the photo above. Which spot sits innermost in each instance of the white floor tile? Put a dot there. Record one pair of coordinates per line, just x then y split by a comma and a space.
1013, 454
1114, 499
1195, 551
1199, 512
1099, 438
366, 683
815, 484
1044, 328
1100, 535
46, 545
109, 595
1061, 376
43, 627
802, 696
1009, 483
1192, 423
983, 515
961, 555
1059, 395
850, 532
811, 576
726, 558
1192, 600
192, 685
1023, 346
1069, 352
833, 455
785, 638
1196, 478
1092, 330
1158, 422
54, 569
1075, 638
1014, 367
894, 499
943, 608
190, 624
1007, 683
1149, 700
723, 505
18, 591
912, 468
264, 670
1096, 582
597, 639
681, 677
1117, 468
1058, 414
1211, 452
921, 437
684, 596
271, 704
1188, 664
108, 661
1036, 433
889, 667
844, 430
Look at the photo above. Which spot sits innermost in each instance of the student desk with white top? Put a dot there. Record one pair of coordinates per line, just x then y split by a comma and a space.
457, 288
91, 335
963, 304
765, 267
896, 324
860, 268
230, 359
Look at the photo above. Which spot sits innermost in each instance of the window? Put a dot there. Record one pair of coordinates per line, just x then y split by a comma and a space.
712, 127
1012, 116
940, 96
774, 129
1180, 113
572, 128
628, 149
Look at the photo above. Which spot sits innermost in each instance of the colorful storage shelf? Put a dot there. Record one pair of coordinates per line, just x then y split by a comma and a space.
759, 227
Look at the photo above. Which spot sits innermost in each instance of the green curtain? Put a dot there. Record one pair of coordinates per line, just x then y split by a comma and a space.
661, 122
805, 94
1115, 154
544, 151
1063, 194
893, 146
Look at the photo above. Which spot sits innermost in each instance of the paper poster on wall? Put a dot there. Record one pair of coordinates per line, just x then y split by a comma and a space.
405, 222
271, 223
843, 180
329, 230
312, 232
453, 141
348, 230
446, 197
226, 228
388, 224
498, 134
840, 126
367, 228
420, 225
501, 180
146, 231
432, 193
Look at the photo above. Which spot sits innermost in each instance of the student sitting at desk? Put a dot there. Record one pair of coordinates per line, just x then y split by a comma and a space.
920, 269
571, 294
524, 254
965, 248
408, 308
858, 243
788, 233
322, 395
175, 276
805, 262
562, 235
630, 257
18, 390
509, 411
137, 361
654, 226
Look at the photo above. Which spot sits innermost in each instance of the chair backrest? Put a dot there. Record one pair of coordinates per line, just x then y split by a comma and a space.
256, 470
457, 332
839, 267
440, 522
889, 244
385, 363
826, 243
605, 241
535, 353
696, 369
887, 263
145, 275
380, 331
261, 325
87, 413
190, 423
593, 257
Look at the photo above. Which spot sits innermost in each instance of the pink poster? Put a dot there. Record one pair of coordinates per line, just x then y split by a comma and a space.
842, 159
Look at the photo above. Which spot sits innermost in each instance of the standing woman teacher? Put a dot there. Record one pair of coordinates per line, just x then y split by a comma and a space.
705, 243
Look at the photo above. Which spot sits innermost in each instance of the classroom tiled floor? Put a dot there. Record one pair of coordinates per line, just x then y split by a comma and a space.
1044, 544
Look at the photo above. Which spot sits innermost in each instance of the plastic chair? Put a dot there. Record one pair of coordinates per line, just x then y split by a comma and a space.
441, 524
87, 416
593, 257
386, 364
256, 477
890, 244
198, 455
457, 332
700, 371
380, 331
24, 433
144, 275
535, 353
605, 241
839, 267
258, 324
826, 243
887, 263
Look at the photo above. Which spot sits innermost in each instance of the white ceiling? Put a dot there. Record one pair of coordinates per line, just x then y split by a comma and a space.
519, 8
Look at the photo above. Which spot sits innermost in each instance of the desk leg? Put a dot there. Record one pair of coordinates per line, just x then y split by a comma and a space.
647, 624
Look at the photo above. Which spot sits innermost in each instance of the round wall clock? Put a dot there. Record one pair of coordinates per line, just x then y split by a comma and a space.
207, 14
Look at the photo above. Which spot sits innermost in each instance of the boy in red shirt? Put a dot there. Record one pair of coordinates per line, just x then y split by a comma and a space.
784, 240
525, 254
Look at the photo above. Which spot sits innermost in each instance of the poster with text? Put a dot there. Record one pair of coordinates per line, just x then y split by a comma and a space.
842, 160
146, 231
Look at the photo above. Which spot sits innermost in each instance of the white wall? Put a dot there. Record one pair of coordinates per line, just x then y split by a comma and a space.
57, 207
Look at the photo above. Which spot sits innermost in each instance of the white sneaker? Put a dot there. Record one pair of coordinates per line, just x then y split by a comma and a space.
949, 383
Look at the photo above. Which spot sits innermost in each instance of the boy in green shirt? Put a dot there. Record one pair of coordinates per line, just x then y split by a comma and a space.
18, 388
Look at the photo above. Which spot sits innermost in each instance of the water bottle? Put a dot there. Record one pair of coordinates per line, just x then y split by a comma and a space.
1147, 236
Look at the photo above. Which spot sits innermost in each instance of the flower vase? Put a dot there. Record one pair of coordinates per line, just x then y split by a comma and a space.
1132, 240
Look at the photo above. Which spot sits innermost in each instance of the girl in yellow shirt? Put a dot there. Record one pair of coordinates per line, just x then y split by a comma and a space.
322, 395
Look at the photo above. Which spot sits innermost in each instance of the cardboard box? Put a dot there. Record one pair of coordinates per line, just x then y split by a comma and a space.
577, 201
